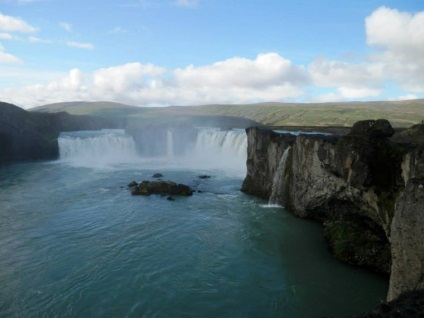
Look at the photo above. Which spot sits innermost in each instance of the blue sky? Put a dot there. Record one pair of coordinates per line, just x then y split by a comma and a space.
193, 52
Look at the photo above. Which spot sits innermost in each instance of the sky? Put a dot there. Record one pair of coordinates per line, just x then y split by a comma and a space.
196, 52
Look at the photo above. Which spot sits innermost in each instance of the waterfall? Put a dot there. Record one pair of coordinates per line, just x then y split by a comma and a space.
96, 148
216, 149
169, 144
278, 180
231, 143
213, 144
208, 148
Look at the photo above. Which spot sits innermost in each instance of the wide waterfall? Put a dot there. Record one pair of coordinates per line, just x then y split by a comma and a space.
279, 180
97, 148
212, 149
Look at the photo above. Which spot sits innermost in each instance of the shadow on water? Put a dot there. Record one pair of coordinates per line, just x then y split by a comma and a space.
315, 284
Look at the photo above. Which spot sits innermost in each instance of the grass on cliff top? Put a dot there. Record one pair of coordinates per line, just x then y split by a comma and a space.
399, 113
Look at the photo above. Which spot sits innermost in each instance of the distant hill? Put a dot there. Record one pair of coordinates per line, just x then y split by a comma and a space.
100, 108
140, 116
399, 113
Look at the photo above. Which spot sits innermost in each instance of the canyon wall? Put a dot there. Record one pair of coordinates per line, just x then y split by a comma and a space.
364, 188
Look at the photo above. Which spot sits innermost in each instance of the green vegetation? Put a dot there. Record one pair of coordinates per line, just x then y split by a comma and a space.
353, 242
399, 113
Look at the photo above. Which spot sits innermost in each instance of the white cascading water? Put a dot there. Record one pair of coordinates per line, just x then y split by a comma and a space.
229, 142
278, 180
96, 148
169, 144
213, 149
221, 149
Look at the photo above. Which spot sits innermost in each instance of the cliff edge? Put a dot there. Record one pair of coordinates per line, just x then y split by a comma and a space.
365, 187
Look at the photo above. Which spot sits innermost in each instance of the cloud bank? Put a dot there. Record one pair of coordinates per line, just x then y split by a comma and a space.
396, 39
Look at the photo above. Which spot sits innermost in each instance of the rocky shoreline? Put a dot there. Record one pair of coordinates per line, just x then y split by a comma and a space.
365, 186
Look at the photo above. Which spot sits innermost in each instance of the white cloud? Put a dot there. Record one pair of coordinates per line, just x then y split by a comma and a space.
404, 97
237, 80
397, 61
66, 26
357, 93
120, 81
398, 32
399, 37
6, 58
325, 73
79, 45
12, 24
326, 98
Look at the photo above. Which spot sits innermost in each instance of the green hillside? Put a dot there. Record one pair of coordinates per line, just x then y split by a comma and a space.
399, 113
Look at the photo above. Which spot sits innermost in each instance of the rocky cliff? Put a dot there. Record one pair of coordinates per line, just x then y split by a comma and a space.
33, 136
363, 187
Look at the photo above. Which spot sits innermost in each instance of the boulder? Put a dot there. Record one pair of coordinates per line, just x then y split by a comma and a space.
157, 175
380, 128
161, 187
132, 184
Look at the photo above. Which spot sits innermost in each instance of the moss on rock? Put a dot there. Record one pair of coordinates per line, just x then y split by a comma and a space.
358, 243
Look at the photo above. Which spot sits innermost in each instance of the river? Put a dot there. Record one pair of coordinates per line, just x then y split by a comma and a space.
75, 243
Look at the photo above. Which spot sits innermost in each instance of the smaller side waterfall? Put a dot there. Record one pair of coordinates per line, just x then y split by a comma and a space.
279, 179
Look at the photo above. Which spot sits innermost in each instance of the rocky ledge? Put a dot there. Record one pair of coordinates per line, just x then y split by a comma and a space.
366, 187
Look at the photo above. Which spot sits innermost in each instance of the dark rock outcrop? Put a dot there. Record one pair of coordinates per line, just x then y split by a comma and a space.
161, 187
379, 128
407, 305
132, 184
33, 136
354, 185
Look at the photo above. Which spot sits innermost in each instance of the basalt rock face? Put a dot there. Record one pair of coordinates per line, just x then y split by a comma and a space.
363, 187
407, 240
33, 136
264, 151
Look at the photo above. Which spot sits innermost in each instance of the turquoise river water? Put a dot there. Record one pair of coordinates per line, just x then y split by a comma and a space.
75, 243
